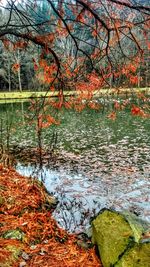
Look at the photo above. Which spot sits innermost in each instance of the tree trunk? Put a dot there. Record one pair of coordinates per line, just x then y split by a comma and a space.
9, 75
19, 80
19, 73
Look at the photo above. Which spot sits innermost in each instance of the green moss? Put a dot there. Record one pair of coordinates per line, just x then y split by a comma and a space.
112, 234
119, 239
14, 234
137, 225
138, 256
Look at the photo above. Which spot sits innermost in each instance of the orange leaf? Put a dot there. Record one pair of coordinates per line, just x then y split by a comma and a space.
15, 67
112, 115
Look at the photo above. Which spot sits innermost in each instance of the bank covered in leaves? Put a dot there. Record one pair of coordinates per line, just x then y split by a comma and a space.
29, 235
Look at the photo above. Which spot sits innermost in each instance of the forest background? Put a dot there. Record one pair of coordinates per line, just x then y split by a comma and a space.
102, 40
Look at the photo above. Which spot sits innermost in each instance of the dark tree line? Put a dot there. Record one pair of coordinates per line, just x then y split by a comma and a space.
62, 43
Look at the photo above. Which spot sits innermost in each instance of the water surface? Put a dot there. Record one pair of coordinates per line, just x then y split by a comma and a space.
101, 163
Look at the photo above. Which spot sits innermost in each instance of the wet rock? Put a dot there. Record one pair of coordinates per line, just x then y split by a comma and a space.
83, 244
84, 241
33, 247
88, 232
25, 256
22, 264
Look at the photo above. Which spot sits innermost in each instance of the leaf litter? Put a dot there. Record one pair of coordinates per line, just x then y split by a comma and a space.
41, 241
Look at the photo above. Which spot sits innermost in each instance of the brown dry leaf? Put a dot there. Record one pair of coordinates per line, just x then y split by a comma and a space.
43, 242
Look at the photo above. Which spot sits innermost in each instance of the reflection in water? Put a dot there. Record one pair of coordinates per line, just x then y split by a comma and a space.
81, 198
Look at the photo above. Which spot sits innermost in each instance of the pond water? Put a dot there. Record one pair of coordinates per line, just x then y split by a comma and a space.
101, 163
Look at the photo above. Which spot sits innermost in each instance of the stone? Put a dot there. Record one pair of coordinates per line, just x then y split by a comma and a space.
25, 256
14, 234
137, 256
119, 238
22, 264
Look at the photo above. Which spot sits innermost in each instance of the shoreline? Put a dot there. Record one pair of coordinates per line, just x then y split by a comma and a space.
7, 97
30, 235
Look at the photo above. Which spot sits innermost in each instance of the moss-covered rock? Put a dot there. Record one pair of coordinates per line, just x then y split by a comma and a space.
137, 225
14, 234
137, 256
112, 234
117, 235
